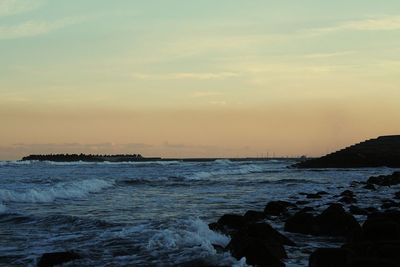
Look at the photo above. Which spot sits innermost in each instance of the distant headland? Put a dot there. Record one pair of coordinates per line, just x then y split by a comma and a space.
89, 158
383, 151
132, 158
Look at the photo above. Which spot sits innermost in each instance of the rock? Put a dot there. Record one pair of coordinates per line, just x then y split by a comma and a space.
57, 258
348, 200
260, 244
380, 230
357, 211
301, 222
232, 221
302, 202
253, 216
257, 251
323, 193
387, 204
313, 196
370, 262
277, 208
369, 187
347, 193
329, 257
397, 195
267, 233
216, 227
335, 221
199, 263
385, 180
307, 209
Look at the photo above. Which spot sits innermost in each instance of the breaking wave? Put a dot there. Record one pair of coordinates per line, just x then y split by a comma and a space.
74, 190
3, 208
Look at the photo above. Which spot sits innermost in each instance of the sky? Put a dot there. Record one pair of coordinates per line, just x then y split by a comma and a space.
207, 78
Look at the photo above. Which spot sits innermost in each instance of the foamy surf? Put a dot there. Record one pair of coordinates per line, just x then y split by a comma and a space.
74, 190
3, 208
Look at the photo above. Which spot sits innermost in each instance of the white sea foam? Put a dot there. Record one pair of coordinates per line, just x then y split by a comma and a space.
195, 238
242, 169
73, 190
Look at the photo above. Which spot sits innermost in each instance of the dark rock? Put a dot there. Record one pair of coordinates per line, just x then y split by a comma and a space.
302, 202
307, 209
390, 204
301, 222
380, 230
357, 211
232, 221
277, 208
323, 193
348, 200
200, 263
397, 195
370, 262
335, 221
253, 216
329, 257
313, 196
257, 251
347, 193
57, 258
216, 227
385, 180
267, 233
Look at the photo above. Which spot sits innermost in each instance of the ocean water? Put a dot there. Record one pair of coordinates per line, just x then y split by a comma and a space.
153, 213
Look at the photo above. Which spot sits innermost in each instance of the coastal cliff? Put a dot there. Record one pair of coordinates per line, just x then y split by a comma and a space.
383, 151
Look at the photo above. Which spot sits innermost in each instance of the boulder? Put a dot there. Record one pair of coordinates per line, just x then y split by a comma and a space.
348, 200
254, 216
277, 208
335, 221
369, 187
370, 262
385, 180
57, 258
232, 221
347, 193
329, 257
302, 223
357, 210
313, 196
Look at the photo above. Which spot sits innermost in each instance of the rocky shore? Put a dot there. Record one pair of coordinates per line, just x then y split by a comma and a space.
372, 241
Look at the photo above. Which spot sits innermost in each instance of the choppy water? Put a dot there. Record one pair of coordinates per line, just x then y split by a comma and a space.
148, 214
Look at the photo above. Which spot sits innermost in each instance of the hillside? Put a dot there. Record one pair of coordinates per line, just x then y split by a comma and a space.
378, 152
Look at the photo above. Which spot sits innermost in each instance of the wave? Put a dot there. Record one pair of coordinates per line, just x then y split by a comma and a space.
243, 169
74, 190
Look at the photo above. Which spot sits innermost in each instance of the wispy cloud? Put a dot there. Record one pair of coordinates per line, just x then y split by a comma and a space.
34, 28
14, 7
185, 75
385, 23
205, 94
328, 55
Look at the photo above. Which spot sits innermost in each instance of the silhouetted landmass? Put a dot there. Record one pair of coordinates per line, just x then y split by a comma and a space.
130, 157
383, 151
88, 158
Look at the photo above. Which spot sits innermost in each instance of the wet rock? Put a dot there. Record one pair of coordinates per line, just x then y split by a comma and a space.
277, 208
57, 258
323, 193
347, 193
302, 223
348, 200
385, 180
357, 210
370, 262
253, 216
381, 230
329, 257
388, 203
232, 221
302, 202
307, 209
335, 221
313, 196
200, 263
260, 244
257, 251
216, 227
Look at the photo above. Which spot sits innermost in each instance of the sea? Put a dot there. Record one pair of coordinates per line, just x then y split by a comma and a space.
155, 213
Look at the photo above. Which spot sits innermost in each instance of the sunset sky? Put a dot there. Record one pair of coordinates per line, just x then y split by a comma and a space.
197, 78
